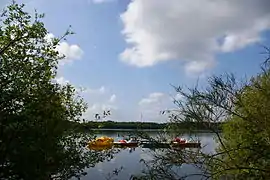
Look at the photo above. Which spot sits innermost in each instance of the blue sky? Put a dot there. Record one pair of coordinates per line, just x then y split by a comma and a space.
127, 53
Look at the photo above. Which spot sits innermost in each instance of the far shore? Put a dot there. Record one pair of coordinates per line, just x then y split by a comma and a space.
146, 130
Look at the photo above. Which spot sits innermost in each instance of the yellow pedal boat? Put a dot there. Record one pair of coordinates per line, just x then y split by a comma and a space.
102, 141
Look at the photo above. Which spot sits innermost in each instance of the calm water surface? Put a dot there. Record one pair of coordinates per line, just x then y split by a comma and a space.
130, 161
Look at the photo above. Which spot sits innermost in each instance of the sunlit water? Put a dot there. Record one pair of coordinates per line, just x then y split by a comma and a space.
130, 160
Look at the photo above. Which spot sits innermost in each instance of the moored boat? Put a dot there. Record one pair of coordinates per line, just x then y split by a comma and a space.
126, 143
102, 141
183, 143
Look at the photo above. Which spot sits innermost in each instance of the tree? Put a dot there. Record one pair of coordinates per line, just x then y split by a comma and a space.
35, 139
243, 146
247, 137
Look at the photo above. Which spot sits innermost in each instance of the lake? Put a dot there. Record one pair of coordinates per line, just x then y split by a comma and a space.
129, 159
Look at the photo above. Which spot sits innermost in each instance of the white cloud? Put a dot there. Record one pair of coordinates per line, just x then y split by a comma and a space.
233, 42
178, 97
151, 106
71, 52
49, 37
100, 90
98, 100
155, 97
197, 67
61, 80
191, 31
112, 98
99, 108
101, 1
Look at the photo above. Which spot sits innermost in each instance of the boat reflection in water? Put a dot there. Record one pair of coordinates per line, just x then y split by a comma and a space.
104, 143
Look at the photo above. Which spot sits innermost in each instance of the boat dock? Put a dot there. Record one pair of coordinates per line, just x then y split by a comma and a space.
107, 143
156, 145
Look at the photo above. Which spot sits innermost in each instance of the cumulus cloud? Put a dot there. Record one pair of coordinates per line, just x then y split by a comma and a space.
191, 31
155, 97
70, 51
178, 97
112, 98
100, 100
49, 37
101, 1
99, 108
100, 90
151, 106
61, 80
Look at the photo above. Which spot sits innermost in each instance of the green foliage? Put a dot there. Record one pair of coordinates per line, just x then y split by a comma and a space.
119, 125
35, 141
243, 108
184, 126
243, 147
247, 137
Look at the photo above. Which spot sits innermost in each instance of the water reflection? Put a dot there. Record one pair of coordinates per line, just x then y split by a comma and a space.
138, 161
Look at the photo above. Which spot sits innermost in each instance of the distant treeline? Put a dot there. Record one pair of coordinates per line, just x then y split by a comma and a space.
144, 125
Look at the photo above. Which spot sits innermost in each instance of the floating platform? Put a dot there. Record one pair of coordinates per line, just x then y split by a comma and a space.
170, 145
154, 145
103, 143
121, 144
186, 145
159, 145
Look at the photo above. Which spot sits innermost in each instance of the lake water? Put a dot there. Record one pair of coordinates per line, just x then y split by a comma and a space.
129, 159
